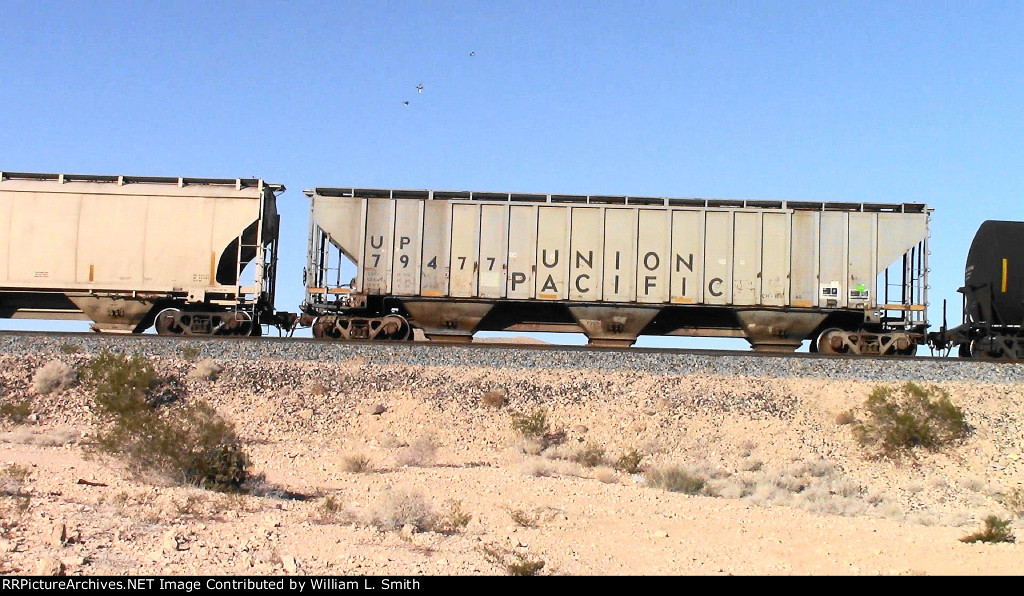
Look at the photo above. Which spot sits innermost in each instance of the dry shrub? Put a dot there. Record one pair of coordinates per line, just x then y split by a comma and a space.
14, 500
513, 562
421, 452
589, 456
995, 530
523, 518
675, 479
845, 417
48, 438
355, 463
52, 376
537, 467
912, 416
1014, 501
750, 464
452, 519
207, 369
398, 508
531, 446
606, 475
190, 353
331, 509
495, 398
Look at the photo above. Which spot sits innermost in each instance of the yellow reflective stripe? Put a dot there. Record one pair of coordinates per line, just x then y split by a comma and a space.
1004, 276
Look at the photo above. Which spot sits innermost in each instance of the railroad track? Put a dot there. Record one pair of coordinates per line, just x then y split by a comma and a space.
497, 345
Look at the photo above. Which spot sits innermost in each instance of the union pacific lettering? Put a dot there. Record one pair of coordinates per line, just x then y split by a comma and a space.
585, 272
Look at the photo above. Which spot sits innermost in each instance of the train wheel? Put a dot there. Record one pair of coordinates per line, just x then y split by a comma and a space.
831, 342
318, 328
167, 322
236, 323
904, 346
395, 327
964, 350
326, 328
984, 348
911, 350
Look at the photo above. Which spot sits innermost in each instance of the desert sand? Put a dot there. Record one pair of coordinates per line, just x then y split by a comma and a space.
788, 489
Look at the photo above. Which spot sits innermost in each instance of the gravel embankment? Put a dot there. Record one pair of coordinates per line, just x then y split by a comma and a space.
520, 357
788, 489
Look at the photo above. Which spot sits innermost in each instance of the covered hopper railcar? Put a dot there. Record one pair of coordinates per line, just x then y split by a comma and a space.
851, 277
130, 252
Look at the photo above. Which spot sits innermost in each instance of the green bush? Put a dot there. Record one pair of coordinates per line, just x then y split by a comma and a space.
912, 416
16, 412
120, 384
995, 530
629, 462
531, 426
189, 444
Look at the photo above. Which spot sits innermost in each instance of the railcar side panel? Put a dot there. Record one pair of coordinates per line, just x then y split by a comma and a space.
182, 268
522, 252
746, 281
494, 232
897, 234
436, 247
44, 230
653, 245
863, 245
6, 205
804, 258
718, 254
552, 253
834, 259
379, 239
465, 250
687, 257
775, 260
107, 258
407, 247
586, 252
620, 254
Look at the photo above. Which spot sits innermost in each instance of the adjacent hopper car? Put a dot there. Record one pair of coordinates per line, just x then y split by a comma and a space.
198, 256
852, 277
129, 253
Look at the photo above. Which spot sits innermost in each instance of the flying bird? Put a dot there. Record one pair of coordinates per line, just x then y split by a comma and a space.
472, 53
405, 103
419, 88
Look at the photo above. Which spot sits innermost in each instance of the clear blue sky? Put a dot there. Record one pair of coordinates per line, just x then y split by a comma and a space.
816, 101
